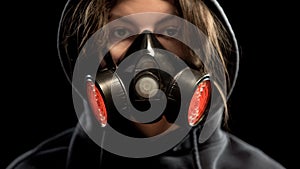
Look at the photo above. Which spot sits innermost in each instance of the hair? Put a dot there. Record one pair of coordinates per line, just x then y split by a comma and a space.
83, 18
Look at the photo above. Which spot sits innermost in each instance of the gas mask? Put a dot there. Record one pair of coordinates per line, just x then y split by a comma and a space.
147, 84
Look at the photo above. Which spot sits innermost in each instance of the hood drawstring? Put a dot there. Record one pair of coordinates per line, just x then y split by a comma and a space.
101, 149
196, 150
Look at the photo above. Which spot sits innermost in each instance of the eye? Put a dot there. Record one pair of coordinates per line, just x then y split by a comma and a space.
120, 33
170, 31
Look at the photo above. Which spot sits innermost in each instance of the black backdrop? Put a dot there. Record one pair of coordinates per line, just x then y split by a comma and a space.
37, 99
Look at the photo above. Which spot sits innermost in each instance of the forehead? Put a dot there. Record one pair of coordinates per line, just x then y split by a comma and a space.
128, 7
143, 13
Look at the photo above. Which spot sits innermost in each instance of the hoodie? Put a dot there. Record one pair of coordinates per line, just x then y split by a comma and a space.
205, 146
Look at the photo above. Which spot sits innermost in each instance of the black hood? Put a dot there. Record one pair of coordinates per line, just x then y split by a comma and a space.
213, 120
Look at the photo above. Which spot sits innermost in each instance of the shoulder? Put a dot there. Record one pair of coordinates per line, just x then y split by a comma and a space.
49, 154
245, 154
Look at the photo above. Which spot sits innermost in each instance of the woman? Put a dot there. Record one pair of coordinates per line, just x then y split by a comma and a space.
176, 60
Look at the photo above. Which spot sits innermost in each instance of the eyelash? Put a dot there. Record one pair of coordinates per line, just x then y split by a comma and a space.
165, 32
121, 33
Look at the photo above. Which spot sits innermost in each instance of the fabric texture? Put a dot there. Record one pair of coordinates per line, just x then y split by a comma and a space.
73, 149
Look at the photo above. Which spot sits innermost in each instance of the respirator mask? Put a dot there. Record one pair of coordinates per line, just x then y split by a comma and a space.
149, 82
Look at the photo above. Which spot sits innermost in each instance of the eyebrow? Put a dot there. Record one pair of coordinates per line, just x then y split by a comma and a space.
165, 19
114, 17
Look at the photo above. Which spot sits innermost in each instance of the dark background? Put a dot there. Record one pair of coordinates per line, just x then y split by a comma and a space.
37, 99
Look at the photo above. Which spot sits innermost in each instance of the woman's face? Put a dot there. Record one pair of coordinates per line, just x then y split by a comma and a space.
128, 7
148, 22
